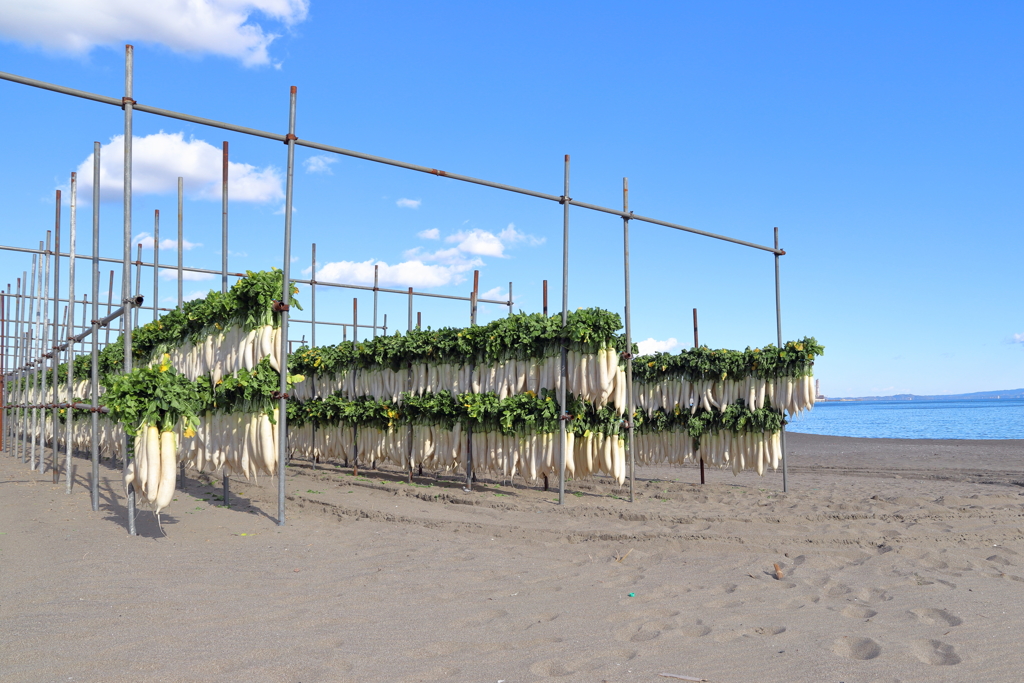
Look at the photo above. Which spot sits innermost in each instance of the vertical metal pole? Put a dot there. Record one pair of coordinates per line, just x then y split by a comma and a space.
181, 240
285, 298
409, 328
312, 306
35, 341
224, 275
696, 344
19, 363
376, 278
94, 382
475, 296
126, 274
44, 344
30, 327
563, 372
15, 368
224, 222
778, 329
419, 320
54, 357
156, 262
545, 298
355, 320
510, 299
69, 424
629, 344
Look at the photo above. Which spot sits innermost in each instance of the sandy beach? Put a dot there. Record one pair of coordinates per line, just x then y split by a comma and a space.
900, 561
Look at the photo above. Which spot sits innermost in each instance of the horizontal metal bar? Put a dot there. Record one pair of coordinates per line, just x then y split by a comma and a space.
403, 292
50, 406
374, 158
326, 322
108, 259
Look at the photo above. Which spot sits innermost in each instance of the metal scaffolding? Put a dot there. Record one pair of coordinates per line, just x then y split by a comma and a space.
28, 345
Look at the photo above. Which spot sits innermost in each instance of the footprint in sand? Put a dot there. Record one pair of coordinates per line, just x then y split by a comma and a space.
644, 614
858, 612
856, 648
695, 631
769, 630
873, 595
1000, 560
935, 652
936, 617
649, 630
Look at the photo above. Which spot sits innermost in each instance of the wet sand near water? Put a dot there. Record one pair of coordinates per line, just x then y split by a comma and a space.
900, 561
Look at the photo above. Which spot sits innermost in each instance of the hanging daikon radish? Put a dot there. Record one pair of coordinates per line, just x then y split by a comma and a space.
168, 467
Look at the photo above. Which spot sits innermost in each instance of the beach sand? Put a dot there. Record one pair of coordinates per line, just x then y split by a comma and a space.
900, 561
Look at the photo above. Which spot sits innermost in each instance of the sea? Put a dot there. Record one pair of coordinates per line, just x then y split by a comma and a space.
974, 419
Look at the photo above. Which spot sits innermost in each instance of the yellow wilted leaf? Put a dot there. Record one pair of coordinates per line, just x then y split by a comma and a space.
189, 433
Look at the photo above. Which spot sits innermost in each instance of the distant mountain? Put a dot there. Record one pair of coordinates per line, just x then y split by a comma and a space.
976, 396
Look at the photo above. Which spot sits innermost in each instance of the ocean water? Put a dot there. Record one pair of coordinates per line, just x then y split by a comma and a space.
996, 419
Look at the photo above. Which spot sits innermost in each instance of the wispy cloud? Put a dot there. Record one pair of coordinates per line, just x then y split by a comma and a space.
431, 234
321, 163
158, 160
187, 275
1018, 338
484, 243
146, 240
218, 27
652, 345
411, 273
408, 203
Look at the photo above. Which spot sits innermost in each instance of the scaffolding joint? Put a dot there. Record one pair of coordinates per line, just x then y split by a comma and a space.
280, 306
290, 137
126, 101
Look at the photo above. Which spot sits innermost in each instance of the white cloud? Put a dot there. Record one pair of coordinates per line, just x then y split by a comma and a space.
280, 210
159, 159
479, 242
512, 236
1018, 338
432, 234
186, 275
321, 163
483, 243
192, 296
146, 240
218, 27
408, 203
652, 345
411, 273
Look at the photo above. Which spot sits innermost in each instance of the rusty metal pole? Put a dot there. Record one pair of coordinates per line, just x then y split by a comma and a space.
545, 298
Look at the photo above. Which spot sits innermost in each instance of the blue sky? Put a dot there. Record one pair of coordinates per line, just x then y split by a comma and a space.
879, 138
